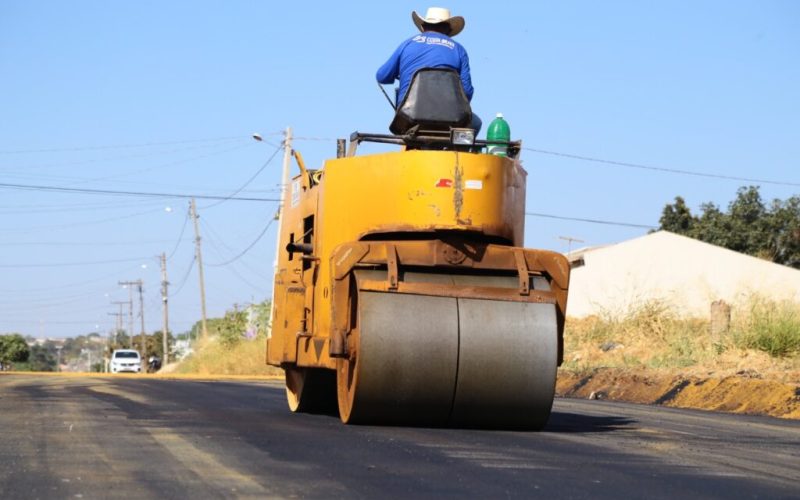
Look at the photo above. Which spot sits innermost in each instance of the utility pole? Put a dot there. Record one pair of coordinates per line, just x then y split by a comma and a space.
164, 295
130, 309
119, 316
287, 157
118, 323
569, 240
141, 314
199, 256
114, 336
130, 285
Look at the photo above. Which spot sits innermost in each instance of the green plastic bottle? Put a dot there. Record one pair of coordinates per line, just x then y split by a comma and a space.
498, 131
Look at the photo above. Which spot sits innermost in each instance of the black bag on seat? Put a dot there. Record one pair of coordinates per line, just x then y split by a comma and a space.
435, 101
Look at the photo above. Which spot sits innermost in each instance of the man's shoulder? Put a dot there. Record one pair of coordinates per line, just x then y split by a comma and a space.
417, 38
433, 38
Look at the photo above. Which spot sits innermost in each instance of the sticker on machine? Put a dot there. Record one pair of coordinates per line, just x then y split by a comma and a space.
444, 183
295, 192
473, 184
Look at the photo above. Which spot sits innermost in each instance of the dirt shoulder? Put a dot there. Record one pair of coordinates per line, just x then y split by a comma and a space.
740, 393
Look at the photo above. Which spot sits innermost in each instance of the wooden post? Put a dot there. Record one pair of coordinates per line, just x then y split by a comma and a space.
720, 318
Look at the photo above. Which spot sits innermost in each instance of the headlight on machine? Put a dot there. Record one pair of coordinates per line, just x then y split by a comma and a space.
462, 136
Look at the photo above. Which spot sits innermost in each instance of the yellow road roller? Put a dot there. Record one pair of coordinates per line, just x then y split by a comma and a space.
403, 295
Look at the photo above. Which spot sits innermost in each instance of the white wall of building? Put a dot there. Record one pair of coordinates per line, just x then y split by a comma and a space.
683, 272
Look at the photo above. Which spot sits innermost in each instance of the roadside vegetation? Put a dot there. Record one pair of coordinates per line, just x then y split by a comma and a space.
235, 345
212, 357
13, 349
763, 341
745, 359
770, 327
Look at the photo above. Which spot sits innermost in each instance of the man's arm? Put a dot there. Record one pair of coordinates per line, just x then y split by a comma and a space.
466, 79
390, 70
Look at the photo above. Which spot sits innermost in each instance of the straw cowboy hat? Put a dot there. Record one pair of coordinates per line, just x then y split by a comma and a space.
436, 15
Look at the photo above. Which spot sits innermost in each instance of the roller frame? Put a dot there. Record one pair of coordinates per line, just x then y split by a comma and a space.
442, 256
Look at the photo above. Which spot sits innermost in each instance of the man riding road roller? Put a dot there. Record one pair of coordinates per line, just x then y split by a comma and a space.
434, 47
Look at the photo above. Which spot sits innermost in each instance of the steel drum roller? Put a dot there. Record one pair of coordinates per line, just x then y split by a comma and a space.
423, 360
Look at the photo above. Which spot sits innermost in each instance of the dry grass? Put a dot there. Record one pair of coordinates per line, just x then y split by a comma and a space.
247, 357
763, 341
771, 327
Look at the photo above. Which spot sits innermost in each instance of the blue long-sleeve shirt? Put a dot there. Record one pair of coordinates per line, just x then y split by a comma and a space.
426, 50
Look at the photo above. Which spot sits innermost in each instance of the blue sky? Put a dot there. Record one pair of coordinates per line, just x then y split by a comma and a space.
162, 97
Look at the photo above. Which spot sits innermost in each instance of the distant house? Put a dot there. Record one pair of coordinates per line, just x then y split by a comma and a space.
182, 348
683, 272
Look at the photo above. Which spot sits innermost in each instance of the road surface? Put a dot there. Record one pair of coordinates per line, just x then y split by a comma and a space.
124, 437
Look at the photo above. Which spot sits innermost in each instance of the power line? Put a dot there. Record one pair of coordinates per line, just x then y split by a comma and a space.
104, 277
258, 238
320, 139
232, 269
75, 207
28, 305
68, 264
593, 221
51, 300
168, 164
219, 239
180, 238
184, 279
251, 179
216, 241
50, 322
244, 280
31, 229
85, 243
114, 158
662, 169
273, 144
254, 271
112, 192
120, 146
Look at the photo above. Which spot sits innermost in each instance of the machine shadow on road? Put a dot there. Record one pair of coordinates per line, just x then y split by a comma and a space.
559, 422
563, 422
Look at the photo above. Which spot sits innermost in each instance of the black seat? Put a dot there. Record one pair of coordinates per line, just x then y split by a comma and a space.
435, 101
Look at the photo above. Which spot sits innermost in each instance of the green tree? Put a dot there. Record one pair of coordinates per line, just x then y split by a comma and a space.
259, 319
233, 327
677, 217
212, 324
13, 349
784, 240
119, 340
155, 344
77, 349
713, 226
41, 359
748, 223
72, 348
769, 231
